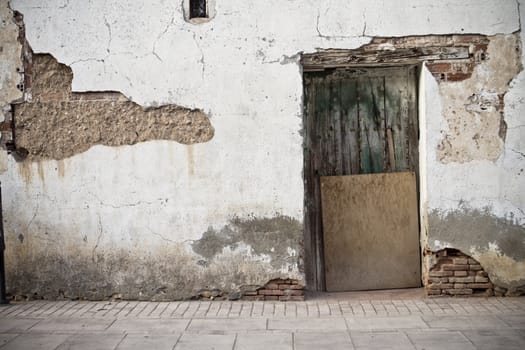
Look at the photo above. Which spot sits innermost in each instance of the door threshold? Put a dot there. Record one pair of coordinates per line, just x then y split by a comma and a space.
384, 294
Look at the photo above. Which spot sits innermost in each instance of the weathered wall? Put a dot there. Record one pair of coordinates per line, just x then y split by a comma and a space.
475, 163
160, 219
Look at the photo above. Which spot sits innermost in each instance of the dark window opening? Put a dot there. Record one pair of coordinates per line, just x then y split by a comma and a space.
198, 9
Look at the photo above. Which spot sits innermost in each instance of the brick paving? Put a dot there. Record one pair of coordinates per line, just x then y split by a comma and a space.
321, 322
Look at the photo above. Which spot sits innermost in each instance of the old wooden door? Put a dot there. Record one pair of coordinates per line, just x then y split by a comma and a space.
359, 121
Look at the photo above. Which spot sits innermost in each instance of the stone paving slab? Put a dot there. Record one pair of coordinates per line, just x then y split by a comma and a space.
36, 342
17, 324
434, 340
322, 341
264, 342
447, 323
91, 341
71, 325
148, 341
231, 325
206, 342
307, 324
381, 340
5, 338
515, 321
141, 325
465, 322
496, 339
385, 323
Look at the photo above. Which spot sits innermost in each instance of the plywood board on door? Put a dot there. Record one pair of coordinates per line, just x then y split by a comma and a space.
371, 231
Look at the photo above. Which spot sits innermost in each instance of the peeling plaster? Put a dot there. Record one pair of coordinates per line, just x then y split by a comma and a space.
473, 108
74, 122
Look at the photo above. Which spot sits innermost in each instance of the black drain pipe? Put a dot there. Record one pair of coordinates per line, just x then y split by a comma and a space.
3, 297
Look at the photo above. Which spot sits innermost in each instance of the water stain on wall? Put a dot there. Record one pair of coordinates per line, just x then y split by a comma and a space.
278, 238
492, 240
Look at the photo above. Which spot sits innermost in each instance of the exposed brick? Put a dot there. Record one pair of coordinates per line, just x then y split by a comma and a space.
271, 297
444, 261
461, 279
479, 279
284, 286
458, 76
460, 273
465, 291
460, 261
480, 285
271, 286
433, 291
290, 286
449, 267
439, 67
455, 273
441, 286
440, 273
292, 298
249, 293
438, 279
274, 292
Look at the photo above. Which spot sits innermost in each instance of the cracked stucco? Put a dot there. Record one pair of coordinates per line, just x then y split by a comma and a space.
237, 32
152, 200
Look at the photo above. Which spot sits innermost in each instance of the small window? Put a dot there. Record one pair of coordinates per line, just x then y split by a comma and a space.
198, 9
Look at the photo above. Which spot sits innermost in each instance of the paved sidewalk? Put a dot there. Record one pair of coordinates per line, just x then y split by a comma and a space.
322, 322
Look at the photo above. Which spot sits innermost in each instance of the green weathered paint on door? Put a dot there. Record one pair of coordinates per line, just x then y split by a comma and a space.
357, 121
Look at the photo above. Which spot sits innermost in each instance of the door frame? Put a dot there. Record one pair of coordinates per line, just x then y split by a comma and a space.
313, 240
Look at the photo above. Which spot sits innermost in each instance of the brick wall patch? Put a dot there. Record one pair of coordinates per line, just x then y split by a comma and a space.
457, 274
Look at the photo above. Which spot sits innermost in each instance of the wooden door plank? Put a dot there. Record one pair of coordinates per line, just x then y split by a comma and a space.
397, 119
371, 232
308, 150
334, 121
322, 165
349, 127
413, 123
371, 120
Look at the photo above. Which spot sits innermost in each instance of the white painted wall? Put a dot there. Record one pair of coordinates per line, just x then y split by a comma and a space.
241, 68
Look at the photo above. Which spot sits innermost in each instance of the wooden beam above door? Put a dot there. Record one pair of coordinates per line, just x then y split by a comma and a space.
388, 55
